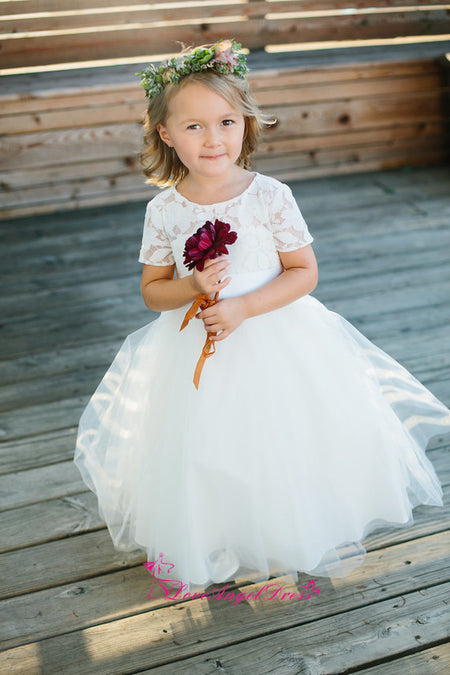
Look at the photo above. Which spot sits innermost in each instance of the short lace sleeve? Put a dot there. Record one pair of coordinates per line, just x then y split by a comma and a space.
289, 228
155, 248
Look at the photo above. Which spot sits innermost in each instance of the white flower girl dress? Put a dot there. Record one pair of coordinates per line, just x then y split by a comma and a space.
302, 438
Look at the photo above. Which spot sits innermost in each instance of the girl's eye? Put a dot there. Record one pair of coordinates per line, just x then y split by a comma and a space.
193, 126
228, 123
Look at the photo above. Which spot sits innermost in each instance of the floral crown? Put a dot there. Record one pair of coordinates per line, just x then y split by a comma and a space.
223, 57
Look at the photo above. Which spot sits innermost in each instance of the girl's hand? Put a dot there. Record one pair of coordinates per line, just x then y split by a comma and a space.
209, 279
225, 316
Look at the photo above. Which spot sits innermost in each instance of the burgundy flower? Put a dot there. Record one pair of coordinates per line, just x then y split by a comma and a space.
207, 243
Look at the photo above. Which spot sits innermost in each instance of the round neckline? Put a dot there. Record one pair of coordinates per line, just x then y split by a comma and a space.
226, 201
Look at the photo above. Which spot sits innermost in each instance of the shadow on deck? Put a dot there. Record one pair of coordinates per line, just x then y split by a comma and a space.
74, 605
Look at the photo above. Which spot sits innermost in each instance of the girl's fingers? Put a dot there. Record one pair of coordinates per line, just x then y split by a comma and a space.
223, 282
211, 324
211, 278
216, 338
217, 286
220, 260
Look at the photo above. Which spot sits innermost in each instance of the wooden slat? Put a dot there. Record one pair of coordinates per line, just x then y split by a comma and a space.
112, 595
196, 13
133, 314
416, 87
430, 368
55, 148
433, 661
350, 139
51, 148
390, 103
35, 6
137, 13
95, 92
339, 168
114, 168
421, 151
147, 639
141, 39
41, 449
83, 250
109, 169
432, 186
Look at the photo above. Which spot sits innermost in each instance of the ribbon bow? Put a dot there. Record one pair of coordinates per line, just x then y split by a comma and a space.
201, 302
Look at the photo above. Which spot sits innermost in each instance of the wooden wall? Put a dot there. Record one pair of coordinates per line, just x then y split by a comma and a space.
79, 147
71, 142
36, 32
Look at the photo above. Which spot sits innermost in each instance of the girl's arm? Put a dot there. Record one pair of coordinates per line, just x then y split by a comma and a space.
162, 292
299, 277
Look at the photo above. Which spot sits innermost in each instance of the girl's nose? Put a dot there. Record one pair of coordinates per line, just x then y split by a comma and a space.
212, 137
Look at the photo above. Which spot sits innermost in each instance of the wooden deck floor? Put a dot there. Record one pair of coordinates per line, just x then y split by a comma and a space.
71, 604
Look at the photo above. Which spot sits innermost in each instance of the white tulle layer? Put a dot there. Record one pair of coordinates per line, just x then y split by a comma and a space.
303, 438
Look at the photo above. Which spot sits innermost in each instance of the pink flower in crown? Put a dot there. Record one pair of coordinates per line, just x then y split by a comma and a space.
224, 54
168, 74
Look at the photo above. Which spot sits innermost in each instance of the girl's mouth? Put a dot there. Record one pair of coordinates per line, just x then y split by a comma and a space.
212, 157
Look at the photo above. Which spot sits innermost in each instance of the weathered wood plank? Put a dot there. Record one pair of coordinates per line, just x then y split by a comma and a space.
72, 559
98, 91
67, 250
429, 367
125, 13
37, 450
335, 193
134, 39
121, 593
61, 414
115, 168
50, 520
33, 6
124, 139
40, 449
18, 182
380, 320
386, 154
50, 383
395, 311
295, 166
423, 353
351, 640
66, 21
355, 136
94, 283
142, 641
433, 661
340, 197
38, 484
132, 110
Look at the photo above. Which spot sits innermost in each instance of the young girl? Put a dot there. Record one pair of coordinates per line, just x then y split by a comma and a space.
303, 436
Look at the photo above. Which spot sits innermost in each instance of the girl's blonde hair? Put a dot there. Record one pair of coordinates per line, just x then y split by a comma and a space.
161, 163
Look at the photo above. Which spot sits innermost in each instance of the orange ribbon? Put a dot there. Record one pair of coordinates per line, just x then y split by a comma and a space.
201, 302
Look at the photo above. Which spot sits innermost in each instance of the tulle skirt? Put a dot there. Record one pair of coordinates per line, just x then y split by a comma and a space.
303, 438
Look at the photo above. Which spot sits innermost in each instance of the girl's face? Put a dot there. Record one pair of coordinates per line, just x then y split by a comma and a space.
205, 130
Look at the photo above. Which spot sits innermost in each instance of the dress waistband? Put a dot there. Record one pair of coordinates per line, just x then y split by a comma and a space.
245, 282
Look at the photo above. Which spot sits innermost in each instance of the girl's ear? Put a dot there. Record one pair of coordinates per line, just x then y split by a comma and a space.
162, 131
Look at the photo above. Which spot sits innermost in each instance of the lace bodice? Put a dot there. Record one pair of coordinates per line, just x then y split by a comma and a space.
265, 216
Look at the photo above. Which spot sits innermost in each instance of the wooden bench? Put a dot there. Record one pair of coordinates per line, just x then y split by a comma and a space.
71, 135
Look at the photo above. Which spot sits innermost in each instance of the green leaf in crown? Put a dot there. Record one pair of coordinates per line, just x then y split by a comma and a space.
223, 57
